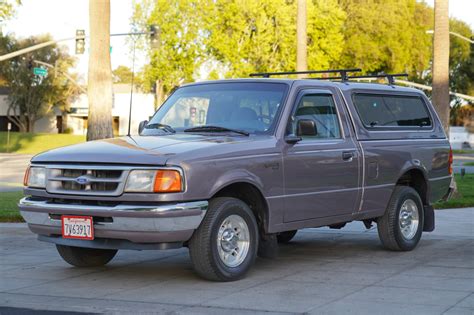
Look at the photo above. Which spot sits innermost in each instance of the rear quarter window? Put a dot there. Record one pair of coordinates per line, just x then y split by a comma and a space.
384, 110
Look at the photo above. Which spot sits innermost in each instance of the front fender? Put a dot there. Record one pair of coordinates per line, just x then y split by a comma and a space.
235, 176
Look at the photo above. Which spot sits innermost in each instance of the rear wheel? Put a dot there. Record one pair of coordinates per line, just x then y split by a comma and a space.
287, 236
401, 226
224, 246
85, 257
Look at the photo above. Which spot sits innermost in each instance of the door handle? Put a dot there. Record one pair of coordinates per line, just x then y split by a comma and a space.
347, 155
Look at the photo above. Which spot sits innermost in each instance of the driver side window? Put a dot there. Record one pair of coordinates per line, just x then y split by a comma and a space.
321, 110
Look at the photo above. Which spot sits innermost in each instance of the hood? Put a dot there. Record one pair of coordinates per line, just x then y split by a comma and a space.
145, 150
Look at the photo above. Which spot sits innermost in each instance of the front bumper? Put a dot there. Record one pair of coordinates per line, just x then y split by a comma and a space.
121, 226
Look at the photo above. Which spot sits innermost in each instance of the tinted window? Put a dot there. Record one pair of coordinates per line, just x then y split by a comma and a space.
321, 109
250, 107
391, 111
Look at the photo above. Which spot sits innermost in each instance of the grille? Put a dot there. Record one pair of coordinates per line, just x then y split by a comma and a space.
92, 180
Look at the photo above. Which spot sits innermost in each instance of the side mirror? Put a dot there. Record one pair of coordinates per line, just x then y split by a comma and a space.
142, 125
306, 127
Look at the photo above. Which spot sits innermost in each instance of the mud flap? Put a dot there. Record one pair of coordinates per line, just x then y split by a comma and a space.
268, 246
429, 219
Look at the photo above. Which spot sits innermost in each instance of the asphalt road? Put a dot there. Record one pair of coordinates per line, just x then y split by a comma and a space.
322, 272
12, 170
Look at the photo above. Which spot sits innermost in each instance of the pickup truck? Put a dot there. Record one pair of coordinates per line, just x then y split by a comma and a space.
230, 168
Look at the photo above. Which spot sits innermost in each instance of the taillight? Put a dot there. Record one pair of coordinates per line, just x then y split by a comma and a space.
450, 161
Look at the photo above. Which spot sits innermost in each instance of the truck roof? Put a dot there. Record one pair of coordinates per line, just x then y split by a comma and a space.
344, 86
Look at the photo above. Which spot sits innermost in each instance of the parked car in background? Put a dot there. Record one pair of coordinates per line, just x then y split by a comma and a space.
229, 168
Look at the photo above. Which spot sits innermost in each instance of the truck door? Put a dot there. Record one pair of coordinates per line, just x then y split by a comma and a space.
321, 171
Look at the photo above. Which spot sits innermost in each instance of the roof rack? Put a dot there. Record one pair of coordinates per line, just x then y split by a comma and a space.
342, 72
389, 76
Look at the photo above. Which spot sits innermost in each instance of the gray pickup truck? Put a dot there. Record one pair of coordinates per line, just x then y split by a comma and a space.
230, 168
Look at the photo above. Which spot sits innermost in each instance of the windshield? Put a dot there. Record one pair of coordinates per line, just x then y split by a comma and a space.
247, 107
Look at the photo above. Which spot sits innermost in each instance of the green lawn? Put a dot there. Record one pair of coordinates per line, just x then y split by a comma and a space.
8, 208
464, 198
468, 164
33, 143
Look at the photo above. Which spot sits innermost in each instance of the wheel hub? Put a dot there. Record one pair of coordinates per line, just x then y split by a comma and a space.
233, 241
408, 219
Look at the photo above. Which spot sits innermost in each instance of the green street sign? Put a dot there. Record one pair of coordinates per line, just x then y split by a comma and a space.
40, 71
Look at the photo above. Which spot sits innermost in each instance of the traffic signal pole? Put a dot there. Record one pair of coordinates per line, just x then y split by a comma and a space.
52, 42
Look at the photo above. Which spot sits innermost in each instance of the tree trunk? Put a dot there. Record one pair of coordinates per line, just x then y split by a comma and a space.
99, 86
159, 94
441, 62
301, 38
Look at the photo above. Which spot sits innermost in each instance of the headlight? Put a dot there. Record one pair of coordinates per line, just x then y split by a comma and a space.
35, 177
158, 181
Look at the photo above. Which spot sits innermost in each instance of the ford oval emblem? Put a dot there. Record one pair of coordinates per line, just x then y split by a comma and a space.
82, 180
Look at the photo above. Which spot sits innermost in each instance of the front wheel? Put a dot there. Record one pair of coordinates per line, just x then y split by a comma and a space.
401, 226
224, 247
85, 257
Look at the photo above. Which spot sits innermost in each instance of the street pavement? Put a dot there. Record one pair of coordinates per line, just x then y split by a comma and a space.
322, 271
459, 160
12, 170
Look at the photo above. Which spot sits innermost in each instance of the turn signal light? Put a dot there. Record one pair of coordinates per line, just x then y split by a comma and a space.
167, 181
25, 178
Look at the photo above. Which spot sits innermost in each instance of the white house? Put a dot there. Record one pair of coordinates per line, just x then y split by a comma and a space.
143, 108
459, 137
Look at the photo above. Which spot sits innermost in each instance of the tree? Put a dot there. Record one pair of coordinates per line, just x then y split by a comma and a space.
260, 36
386, 36
99, 89
461, 59
122, 74
31, 96
7, 9
440, 94
179, 48
301, 37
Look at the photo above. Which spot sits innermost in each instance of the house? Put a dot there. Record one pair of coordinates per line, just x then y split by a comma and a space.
460, 138
76, 118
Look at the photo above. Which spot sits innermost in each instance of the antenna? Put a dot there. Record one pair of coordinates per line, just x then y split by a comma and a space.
131, 89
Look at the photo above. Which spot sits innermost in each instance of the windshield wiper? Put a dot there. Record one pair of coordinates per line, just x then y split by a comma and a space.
164, 127
209, 128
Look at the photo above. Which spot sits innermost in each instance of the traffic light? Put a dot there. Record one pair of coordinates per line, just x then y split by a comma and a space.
80, 42
154, 37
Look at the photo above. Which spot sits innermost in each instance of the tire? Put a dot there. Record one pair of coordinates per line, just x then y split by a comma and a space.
287, 236
85, 257
407, 201
214, 242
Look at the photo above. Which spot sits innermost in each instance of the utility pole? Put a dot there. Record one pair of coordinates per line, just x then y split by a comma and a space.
441, 61
301, 38
99, 83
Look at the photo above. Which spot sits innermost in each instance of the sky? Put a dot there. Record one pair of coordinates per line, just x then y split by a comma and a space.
61, 19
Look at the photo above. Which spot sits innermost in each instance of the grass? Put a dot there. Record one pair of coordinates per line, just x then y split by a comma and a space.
468, 164
33, 143
465, 195
8, 206
464, 198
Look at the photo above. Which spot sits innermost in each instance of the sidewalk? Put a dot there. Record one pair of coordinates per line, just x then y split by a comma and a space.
322, 271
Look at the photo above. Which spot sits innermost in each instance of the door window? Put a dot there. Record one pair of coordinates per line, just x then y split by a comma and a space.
321, 109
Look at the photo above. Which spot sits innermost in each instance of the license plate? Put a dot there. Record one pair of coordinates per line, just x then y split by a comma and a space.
77, 227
